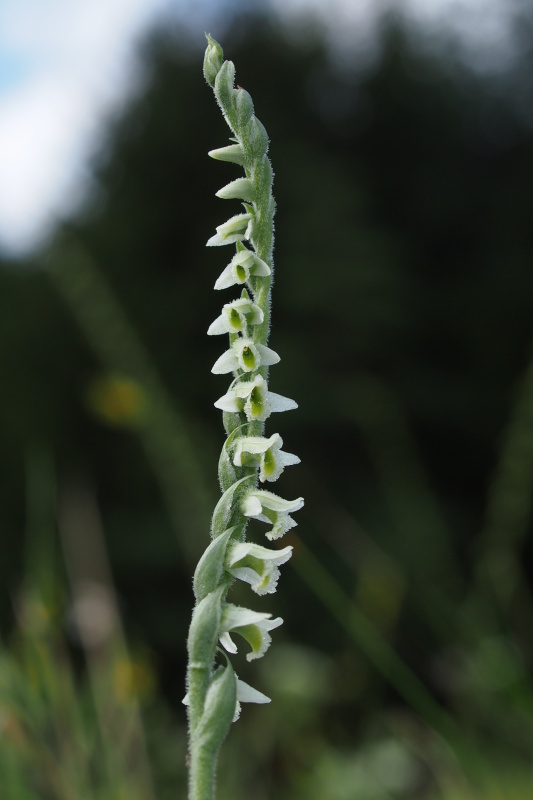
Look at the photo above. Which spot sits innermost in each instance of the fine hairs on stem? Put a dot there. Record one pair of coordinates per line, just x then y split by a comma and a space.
249, 459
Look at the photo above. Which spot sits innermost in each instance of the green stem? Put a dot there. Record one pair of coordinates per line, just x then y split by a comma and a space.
202, 773
213, 691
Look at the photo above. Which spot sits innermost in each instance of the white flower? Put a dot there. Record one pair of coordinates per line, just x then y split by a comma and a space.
245, 694
251, 625
256, 565
234, 230
254, 399
236, 316
268, 507
272, 460
243, 264
244, 354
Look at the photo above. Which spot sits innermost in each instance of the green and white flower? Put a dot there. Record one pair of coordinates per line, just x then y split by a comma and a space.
256, 565
272, 460
234, 230
254, 399
253, 626
246, 355
236, 317
269, 507
245, 694
242, 266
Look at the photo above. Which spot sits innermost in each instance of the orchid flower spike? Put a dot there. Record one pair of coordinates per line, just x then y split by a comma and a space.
214, 692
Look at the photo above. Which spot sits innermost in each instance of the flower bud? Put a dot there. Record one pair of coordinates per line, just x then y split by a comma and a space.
213, 60
232, 153
244, 108
257, 138
224, 86
239, 189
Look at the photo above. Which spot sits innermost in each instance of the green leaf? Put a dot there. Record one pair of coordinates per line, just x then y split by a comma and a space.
210, 568
219, 710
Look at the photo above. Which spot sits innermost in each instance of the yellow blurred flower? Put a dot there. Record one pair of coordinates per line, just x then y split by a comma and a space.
132, 679
117, 400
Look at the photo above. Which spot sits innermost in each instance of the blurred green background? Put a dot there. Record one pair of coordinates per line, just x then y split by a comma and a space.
402, 309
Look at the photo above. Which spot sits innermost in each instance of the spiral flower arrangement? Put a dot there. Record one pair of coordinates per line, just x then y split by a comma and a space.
249, 459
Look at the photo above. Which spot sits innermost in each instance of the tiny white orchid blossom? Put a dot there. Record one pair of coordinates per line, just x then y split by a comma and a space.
236, 316
272, 460
243, 265
269, 507
245, 694
251, 625
244, 354
254, 399
234, 230
256, 565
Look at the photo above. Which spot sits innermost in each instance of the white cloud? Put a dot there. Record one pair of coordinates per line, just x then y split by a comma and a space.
78, 60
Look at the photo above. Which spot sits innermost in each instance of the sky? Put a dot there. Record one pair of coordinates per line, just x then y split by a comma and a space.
66, 66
